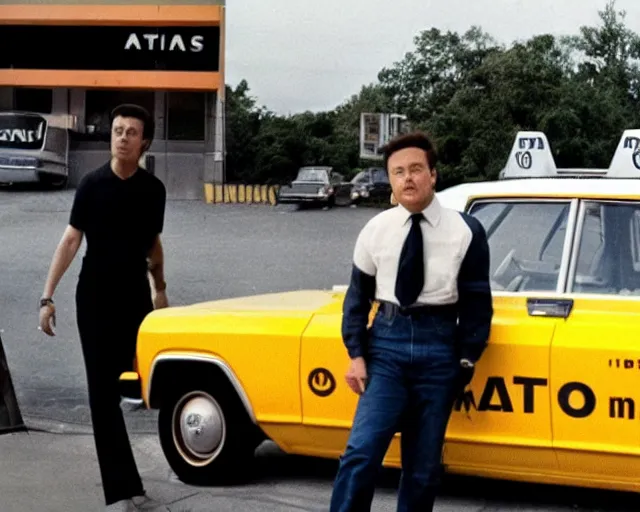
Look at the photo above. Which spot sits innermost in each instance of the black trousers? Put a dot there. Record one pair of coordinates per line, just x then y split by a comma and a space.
109, 313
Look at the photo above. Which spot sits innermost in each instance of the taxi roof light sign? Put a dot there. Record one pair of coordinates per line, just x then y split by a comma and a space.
531, 157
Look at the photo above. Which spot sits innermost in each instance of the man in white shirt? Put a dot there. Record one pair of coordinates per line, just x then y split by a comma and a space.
428, 268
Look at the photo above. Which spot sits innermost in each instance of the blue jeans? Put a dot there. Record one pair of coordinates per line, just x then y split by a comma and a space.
412, 367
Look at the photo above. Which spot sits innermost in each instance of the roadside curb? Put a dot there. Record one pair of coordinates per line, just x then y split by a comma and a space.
39, 423
35, 424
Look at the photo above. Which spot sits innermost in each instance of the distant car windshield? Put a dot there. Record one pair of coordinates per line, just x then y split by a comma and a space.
380, 176
21, 131
312, 175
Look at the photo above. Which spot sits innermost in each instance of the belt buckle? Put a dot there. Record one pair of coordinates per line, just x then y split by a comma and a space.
404, 310
414, 310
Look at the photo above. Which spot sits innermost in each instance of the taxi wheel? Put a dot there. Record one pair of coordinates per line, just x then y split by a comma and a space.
205, 434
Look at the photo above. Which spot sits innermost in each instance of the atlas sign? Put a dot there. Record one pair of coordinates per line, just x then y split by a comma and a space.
113, 48
161, 42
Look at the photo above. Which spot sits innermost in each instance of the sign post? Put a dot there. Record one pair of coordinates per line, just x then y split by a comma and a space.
376, 130
10, 417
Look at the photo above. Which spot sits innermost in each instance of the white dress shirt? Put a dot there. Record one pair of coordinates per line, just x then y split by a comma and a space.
446, 238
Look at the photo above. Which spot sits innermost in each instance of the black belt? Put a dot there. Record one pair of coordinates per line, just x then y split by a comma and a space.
390, 309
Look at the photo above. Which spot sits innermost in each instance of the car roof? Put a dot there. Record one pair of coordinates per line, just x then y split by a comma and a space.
547, 188
531, 172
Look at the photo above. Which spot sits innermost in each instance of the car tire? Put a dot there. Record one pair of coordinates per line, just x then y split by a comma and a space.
54, 182
342, 201
205, 433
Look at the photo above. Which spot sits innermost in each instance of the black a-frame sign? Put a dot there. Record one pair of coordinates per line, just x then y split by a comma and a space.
10, 417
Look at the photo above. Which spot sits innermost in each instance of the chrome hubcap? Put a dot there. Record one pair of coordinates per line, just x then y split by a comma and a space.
199, 428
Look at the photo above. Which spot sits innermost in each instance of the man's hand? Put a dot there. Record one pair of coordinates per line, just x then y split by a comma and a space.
62, 258
48, 319
160, 300
465, 375
356, 376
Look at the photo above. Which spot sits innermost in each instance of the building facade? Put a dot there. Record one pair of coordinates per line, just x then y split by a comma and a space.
81, 60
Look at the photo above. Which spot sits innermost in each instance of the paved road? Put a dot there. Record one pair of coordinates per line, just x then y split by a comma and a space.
212, 252
278, 484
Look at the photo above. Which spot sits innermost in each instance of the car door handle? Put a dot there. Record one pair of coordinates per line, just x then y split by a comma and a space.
553, 308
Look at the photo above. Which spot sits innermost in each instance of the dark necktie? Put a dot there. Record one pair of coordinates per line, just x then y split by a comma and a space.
410, 278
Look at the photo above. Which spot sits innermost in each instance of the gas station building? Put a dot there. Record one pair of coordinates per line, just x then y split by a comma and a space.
81, 60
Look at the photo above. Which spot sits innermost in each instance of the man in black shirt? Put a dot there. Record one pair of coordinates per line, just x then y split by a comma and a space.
119, 207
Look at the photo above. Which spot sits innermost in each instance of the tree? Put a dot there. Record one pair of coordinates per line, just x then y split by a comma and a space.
243, 124
472, 95
425, 80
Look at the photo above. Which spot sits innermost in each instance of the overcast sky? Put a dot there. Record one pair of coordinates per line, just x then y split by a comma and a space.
303, 55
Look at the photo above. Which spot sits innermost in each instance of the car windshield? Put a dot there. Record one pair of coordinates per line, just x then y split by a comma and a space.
21, 131
608, 259
310, 174
380, 176
526, 241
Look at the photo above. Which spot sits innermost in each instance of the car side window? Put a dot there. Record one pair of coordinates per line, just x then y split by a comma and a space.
608, 256
635, 240
525, 241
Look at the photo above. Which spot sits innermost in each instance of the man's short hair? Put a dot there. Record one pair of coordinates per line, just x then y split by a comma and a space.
418, 140
137, 112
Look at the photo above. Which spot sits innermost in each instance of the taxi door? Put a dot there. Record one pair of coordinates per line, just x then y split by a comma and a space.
328, 404
503, 424
595, 355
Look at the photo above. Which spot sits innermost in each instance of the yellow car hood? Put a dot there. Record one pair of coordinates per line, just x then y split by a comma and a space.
303, 301
309, 301
272, 311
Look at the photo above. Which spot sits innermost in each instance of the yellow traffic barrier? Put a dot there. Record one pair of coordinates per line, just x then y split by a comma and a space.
241, 194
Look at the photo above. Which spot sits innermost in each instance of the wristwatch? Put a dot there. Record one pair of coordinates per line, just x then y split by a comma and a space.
45, 301
465, 363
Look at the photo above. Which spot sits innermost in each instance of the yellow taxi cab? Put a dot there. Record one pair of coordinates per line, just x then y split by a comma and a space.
555, 398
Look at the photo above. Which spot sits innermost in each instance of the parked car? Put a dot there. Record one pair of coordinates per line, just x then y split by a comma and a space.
34, 148
316, 185
555, 398
370, 185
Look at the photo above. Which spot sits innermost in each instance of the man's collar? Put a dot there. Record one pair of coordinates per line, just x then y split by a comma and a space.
432, 212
